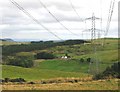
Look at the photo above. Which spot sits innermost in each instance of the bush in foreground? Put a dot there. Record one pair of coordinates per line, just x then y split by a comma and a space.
110, 72
13, 80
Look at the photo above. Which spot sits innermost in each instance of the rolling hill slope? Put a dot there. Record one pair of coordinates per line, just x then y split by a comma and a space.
36, 73
45, 69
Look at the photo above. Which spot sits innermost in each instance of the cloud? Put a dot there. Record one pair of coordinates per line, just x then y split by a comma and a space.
16, 24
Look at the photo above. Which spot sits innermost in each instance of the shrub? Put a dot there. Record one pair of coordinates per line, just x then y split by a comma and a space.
112, 71
44, 55
7, 80
82, 60
14, 80
89, 60
17, 80
23, 61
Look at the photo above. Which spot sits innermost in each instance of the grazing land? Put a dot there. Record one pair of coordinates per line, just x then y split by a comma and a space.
76, 65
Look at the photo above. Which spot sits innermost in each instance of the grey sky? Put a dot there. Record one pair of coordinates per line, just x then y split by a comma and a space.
16, 25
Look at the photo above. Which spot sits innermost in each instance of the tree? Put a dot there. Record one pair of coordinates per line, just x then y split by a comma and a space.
44, 55
112, 71
82, 60
23, 61
66, 54
89, 60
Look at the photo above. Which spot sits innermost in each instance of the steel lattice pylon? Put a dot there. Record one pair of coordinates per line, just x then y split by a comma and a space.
95, 34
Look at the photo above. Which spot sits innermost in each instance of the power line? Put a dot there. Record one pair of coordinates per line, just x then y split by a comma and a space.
64, 29
75, 10
101, 15
107, 27
56, 18
101, 23
110, 15
30, 16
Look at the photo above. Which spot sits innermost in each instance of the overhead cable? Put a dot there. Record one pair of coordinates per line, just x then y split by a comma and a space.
34, 19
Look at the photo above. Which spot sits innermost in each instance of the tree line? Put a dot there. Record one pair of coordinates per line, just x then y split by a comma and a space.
34, 45
10, 56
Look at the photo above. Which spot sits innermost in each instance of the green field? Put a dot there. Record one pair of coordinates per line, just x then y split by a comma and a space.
64, 65
45, 69
36, 73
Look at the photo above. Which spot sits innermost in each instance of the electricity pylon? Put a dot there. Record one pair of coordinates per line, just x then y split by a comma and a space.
95, 34
93, 29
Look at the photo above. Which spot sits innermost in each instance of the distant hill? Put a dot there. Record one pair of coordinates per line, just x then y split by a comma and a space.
7, 39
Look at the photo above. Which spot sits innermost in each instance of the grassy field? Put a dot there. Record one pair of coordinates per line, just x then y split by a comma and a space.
64, 65
69, 68
103, 56
65, 68
49, 69
110, 48
36, 73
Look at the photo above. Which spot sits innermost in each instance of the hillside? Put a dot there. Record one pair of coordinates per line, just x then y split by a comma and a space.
71, 67
36, 73
11, 42
7, 39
